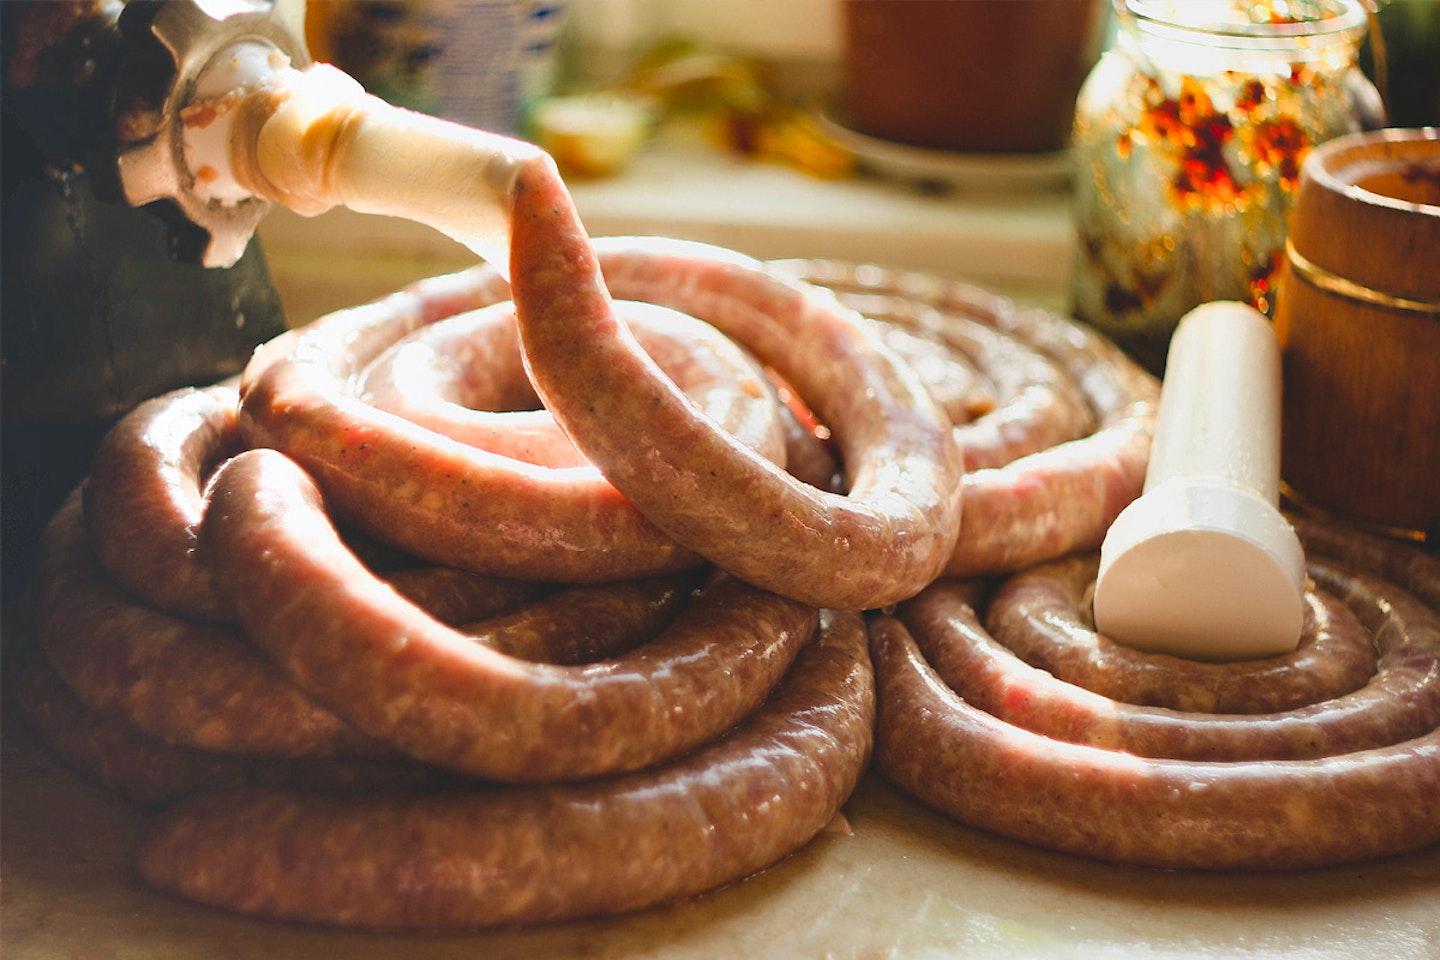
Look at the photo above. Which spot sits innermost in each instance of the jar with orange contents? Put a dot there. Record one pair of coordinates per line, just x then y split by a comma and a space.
1189, 135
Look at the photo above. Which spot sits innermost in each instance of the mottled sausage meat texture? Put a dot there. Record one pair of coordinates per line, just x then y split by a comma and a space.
497, 602
1008, 712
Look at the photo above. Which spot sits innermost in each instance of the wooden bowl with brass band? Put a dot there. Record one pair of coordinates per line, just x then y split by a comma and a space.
1358, 316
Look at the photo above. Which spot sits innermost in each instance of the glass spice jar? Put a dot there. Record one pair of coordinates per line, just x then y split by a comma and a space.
1188, 139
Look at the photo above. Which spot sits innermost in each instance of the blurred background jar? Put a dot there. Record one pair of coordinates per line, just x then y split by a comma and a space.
482, 63
1189, 137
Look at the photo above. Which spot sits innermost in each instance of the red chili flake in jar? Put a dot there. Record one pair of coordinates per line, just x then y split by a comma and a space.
1262, 281
1192, 130
1197, 133
1280, 145
1252, 94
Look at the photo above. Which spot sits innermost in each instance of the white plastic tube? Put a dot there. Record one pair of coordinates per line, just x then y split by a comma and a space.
1203, 565
313, 139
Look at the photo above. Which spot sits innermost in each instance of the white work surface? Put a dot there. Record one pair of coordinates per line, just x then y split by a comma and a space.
891, 881
901, 884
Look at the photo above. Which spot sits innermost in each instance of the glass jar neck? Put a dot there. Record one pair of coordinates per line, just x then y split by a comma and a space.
1205, 37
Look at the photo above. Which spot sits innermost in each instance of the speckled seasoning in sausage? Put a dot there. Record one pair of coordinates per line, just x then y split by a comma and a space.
144, 497
1063, 498
1111, 805
399, 675
1055, 500
1024, 400
153, 773
1041, 615
187, 682
1400, 701
527, 855
586, 623
880, 543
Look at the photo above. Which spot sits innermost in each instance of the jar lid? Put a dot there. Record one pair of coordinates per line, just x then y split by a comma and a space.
1289, 27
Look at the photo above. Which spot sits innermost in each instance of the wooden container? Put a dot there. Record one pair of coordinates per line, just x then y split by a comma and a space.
1358, 316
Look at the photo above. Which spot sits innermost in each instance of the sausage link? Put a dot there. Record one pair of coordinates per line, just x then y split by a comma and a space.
1178, 814
443, 500
460, 596
114, 755
809, 457
144, 497
1418, 571
1044, 408
1056, 500
1039, 615
152, 773
464, 859
954, 379
880, 543
1400, 702
463, 377
1052, 502
193, 683
206, 686
363, 332
403, 677
1374, 792
1036, 403
586, 623
1064, 498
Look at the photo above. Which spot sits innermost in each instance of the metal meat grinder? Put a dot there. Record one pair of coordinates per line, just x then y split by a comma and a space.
119, 282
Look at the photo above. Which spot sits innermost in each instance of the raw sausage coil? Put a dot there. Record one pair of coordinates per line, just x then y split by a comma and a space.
705, 742
464, 378
1041, 615
1052, 501
435, 497
1400, 701
882, 542
144, 497
404, 678
1346, 778
1163, 813
484, 857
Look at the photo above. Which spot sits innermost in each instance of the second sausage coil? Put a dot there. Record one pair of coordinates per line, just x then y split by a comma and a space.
968, 726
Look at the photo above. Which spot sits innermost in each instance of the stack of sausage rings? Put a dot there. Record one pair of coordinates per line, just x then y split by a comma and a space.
504, 601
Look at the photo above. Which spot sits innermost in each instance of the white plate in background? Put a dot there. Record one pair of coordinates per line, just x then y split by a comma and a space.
951, 170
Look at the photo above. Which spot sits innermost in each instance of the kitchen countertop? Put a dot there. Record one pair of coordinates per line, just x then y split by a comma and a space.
888, 881
892, 881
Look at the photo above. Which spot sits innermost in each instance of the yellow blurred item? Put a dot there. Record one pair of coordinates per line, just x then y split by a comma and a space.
593, 135
737, 107
597, 133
